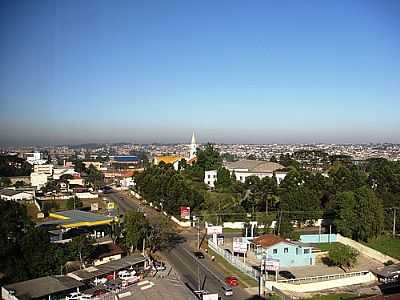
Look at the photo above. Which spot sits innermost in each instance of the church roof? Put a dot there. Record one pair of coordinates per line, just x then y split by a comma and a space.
254, 166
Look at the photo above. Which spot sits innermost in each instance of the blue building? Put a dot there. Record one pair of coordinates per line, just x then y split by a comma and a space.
289, 253
125, 159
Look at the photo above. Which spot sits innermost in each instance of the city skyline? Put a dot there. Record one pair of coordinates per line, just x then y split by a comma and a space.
262, 72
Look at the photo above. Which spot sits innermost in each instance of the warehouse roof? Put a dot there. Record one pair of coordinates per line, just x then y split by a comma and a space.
42, 287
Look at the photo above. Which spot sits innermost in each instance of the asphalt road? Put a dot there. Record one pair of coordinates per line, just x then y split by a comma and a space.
193, 271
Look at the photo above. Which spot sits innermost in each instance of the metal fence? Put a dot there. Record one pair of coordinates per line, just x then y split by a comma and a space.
234, 261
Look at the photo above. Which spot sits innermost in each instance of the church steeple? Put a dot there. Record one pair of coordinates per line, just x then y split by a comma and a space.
192, 147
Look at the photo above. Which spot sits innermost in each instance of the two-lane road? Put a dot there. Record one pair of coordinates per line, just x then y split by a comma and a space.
193, 271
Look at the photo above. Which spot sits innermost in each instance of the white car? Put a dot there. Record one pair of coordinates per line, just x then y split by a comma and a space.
85, 297
98, 281
73, 296
125, 275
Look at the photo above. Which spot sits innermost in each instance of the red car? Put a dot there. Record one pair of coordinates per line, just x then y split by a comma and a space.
232, 281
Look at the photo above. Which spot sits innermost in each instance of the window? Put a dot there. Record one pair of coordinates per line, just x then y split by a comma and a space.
297, 251
285, 250
306, 251
241, 178
209, 176
274, 251
215, 176
208, 182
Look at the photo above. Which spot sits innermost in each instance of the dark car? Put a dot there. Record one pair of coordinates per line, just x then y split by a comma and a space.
198, 254
287, 275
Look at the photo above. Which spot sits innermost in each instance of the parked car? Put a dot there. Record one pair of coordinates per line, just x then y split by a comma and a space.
287, 275
232, 281
99, 292
159, 266
73, 296
198, 254
227, 291
125, 275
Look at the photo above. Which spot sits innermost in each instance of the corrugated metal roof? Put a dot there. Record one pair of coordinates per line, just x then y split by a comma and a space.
107, 268
43, 286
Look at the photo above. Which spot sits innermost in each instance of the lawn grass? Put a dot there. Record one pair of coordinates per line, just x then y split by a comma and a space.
232, 230
387, 245
231, 270
325, 246
341, 296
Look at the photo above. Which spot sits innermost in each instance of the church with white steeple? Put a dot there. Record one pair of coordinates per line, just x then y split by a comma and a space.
192, 147
189, 156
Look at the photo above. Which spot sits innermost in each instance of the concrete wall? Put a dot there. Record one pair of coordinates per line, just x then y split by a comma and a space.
372, 253
322, 285
318, 238
181, 223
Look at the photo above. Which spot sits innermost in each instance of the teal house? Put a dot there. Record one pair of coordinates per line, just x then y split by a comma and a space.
289, 253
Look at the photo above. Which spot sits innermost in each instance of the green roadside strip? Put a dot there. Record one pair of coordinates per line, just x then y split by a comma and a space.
229, 270
342, 296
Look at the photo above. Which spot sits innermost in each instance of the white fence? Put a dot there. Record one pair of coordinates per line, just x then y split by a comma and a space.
323, 277
234, 261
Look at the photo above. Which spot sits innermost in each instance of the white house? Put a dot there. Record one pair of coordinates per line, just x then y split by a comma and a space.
38, 180
9, 194
245, 168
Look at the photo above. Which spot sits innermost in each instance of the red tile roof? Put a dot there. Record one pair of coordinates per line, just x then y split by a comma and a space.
268, 240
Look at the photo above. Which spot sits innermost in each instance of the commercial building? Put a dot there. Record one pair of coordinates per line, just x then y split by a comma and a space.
288, 253
49, 287
35, 158
14, 195
135, 261
245, 168
169, 159
76, 219
43, 169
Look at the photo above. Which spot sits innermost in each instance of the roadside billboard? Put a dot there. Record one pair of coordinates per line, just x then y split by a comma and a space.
239, 245
214, 230
185, 212
271, 264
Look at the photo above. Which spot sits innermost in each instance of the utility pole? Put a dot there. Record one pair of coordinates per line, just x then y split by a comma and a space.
394, 221
198, 234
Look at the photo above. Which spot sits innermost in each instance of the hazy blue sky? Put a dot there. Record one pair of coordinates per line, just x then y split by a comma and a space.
233, 71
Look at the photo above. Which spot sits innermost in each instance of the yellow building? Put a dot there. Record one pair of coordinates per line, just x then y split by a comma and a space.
169, 159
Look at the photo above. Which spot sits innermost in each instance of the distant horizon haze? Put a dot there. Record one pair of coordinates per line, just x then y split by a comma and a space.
234, 72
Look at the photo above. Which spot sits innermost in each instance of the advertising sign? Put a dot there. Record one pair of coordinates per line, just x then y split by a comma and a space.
239, 245
214, 230
110, 205
185, 212
271, 264
94, 206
